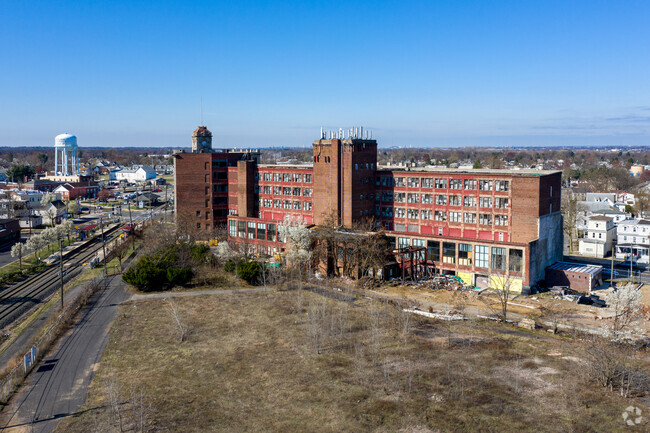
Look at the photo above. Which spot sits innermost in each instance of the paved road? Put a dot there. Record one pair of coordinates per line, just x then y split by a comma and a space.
58, 387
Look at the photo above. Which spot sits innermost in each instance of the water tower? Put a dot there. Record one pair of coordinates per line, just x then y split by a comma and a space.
66, 155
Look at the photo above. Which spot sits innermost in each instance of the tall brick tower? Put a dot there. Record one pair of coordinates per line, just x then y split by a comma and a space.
345, 165
201, 140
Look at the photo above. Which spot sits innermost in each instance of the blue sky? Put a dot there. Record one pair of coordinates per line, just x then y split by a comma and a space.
433, 73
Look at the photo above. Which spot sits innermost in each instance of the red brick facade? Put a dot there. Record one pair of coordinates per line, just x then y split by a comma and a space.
202, 186
477, 224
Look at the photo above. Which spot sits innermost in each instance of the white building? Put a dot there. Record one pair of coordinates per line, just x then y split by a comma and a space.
32, 197
633, 237
53, 213
137, 174
591, 209
627, 198
599, 238
601, 197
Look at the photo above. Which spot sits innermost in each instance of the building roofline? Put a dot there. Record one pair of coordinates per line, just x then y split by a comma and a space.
500, 171
287, 166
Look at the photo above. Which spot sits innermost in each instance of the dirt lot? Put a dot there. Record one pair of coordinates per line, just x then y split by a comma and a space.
299, 361
539, 307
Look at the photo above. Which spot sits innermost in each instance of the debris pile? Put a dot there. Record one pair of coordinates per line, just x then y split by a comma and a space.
566, 294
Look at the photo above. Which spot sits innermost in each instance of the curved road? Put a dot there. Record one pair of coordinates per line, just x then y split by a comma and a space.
57, 387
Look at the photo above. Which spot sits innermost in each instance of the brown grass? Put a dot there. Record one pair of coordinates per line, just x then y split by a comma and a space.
252, 363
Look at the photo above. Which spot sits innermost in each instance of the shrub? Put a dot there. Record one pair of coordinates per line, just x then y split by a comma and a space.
159, 271
179, 276
199, 252
247, 270
230, 266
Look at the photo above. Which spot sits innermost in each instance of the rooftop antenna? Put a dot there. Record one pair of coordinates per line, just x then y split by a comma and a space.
201, 110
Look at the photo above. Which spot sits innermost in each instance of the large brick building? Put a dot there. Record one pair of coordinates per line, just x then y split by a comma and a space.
201, 181
477, 224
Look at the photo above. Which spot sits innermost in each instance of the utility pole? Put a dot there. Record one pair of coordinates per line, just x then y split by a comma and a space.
132, 230
150, 204
61, 270
631, 271
166, 204
101, 223
611, 278
128, 203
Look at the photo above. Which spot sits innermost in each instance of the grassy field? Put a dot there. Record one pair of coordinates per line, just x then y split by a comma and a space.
297, 361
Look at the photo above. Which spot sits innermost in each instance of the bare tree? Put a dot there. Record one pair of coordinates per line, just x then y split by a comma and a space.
113, 388
554, 311
502, 288
375, 329
642, 202
182, 329
139, 410
119, 251
612, 366
571, 211
316, 318
371, 248
626, 302
403, 319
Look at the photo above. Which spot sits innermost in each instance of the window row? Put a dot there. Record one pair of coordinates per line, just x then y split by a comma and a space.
443, 200
480, 256
285, 177
444, 183
441, 215
252, 230
285, 204
286, 190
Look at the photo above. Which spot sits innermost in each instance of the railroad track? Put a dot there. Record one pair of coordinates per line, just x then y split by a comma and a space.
20, 298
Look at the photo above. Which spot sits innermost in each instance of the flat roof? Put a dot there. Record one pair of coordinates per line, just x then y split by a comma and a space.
522, 172
487, 171
576, 267
286, 166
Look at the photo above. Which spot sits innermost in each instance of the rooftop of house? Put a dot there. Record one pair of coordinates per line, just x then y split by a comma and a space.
634, 222
600, 218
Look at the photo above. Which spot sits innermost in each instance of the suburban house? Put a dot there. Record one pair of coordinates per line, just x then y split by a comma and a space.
75, 190
147, 199
599, 238
57, 211
633, 240
136, 174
